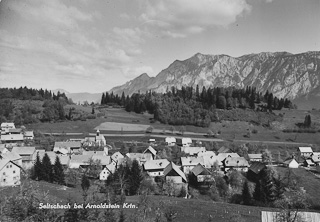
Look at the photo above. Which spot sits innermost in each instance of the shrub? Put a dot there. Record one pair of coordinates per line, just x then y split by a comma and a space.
254, 131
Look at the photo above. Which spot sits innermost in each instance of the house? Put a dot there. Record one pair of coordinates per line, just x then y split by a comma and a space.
186, 141
6, 126
28, 155
152, 151
210, 160
255, 157
94, 152
201, 174
305, 151
236, 163
225, 155
3, 149
155, 167
291, 163
67, 147
170, 141
28, 135
308, 163
104, 160
140, 157
117, 158
77, 161
12, 138
192, 151
9, 173
152, 141
173, 174
107, 171
13, 156
188, 163
64, 160
255, 170
315, 159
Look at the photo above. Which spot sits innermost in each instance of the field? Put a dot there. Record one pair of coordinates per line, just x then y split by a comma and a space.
188, 210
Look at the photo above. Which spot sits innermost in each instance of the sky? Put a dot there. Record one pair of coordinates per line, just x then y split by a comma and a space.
94, 45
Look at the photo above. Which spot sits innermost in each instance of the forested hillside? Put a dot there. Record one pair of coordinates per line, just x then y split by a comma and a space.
189, 106
26, 105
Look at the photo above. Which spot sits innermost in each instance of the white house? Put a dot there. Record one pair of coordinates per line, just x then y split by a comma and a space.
186, 141
236, 163
305, 151
188, 163
140, 157
255, 157
171, 141
152, 151
107, 171
155, 167
291, 163
28, 135
28, 155
192, 151
9, 173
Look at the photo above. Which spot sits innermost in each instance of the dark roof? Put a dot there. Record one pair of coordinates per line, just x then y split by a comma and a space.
199, 169
256, 167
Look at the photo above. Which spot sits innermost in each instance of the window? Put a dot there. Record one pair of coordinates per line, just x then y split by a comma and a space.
10, 165
4, 180
4, 173
14, 171
7, 166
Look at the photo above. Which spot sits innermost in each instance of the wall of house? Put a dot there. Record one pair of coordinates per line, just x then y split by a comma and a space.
10, 175
155, 173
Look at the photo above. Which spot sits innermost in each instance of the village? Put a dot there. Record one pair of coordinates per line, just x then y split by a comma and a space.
196, 161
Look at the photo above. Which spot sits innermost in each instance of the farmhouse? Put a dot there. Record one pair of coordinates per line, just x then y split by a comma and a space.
78, 161
255, 170
188, 163
107, 171
155, 167
104, 160
67, 147
13, 156
28, 155
28, 135
140, 157
173, 174
305, 151
308, 163
236, 163
170, 141
12, 138
152, 151
6, 126
186, 141
315, 159
9, 173
64, 160
291, 163
117, 158
201, 174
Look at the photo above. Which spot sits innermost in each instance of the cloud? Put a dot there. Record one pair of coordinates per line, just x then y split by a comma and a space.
190, 17
133, 72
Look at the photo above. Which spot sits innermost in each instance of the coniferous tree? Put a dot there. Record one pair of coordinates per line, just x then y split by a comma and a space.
85, 183
58, 173
37, 169
47, 168
135, 178
246, 194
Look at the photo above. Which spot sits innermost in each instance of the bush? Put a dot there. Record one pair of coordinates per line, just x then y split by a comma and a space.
254, 131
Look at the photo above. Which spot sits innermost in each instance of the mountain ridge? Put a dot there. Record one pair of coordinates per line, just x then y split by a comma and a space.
284, 74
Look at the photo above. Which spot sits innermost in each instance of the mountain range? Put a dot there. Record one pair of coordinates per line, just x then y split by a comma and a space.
292, 76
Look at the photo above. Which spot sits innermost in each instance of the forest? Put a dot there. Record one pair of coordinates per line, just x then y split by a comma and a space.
189, 106
26, 105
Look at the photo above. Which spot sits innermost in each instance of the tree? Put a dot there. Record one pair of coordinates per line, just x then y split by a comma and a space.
135, 178
307, 121
72, 177
85, 184
47, 168
58, 173
149, 129
266, 156
246, 193
172, 129
37, 173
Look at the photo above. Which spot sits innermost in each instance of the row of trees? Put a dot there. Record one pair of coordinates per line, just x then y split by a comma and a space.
45, 170
24, 93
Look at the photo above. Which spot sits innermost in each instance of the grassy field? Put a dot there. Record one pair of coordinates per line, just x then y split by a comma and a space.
188, 210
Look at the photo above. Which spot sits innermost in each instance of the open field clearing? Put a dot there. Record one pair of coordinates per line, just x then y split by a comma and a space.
122, 127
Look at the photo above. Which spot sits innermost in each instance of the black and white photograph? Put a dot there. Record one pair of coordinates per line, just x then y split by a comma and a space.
160, 110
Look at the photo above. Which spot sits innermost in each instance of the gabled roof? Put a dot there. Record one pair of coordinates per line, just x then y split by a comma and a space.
11, 156
90, 152
199, 169
28, 134
116, 156
256, 167
171, 166
151, 150
67, 144
5, 125
236, 162
186, 140
156, 164
111, 167
305, 149
12, 137
24, 150
316, 154
288, 161
315, 158
80, 159
104, 160
15, 130
224, 150
206, 153
170, 140
309, 161
255, 156
3, 162
208, 161
191, 161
